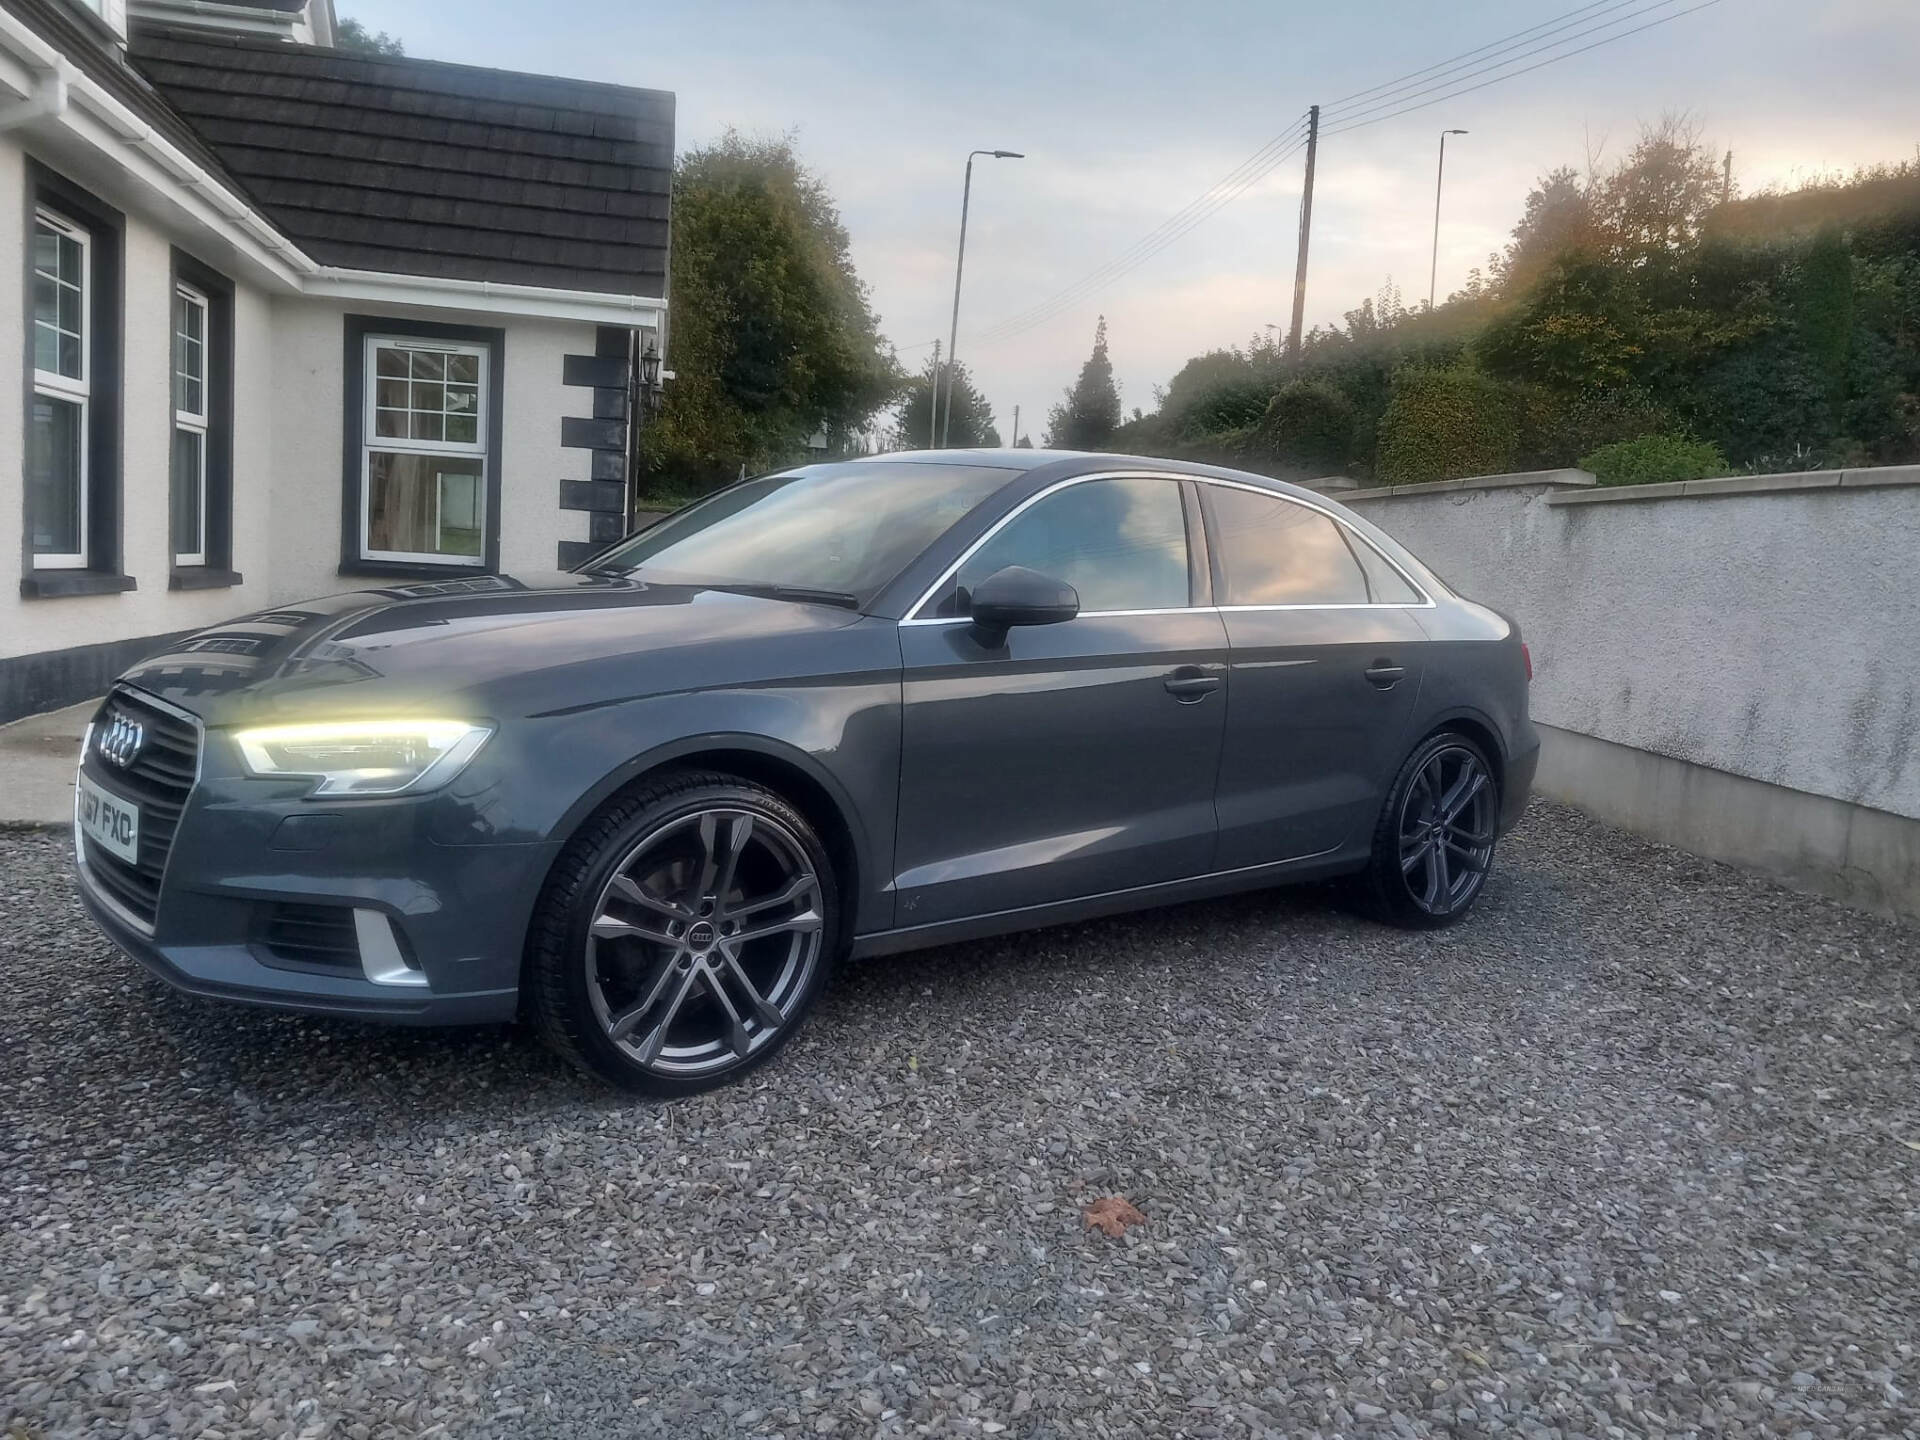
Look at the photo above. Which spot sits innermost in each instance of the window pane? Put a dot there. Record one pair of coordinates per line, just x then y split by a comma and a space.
429, 426
390, 362
70, 356
848, 527
463, 398
46, 301
464, 368
429, 365
46, 349
425, 504
460, 511
70, 260
390, 424
1275, 552
392, 393
189, 477
463, 429
1122, 544
69, 309
53, 476
46, 249
429, 396
1389, 587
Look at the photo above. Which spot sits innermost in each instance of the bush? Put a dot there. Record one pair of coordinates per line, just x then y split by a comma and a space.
1655, 460
1307, 427
1443, 424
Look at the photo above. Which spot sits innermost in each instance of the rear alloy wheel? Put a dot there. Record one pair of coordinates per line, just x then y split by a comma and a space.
684, 937
1434, 842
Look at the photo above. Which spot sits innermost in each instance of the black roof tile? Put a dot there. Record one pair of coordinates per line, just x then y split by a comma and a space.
422, 168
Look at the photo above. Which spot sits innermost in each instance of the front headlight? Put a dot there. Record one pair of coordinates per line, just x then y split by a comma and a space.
364, 757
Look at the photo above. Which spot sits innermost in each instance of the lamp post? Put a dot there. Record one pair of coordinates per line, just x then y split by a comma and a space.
959, 264
1433, 273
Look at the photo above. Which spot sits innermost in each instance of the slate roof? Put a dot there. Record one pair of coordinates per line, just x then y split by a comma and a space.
86, 42
422, 168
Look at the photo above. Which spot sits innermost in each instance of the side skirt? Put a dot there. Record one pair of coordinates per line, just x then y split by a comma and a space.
1114, 902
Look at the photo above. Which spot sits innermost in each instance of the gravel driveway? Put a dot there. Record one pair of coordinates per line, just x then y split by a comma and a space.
1634, 1151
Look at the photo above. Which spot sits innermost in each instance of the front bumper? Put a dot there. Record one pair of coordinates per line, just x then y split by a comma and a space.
457, 913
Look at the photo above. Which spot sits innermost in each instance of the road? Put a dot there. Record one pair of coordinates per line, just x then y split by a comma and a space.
1634, 1151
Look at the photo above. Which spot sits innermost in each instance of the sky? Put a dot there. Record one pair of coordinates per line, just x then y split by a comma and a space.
1127, 111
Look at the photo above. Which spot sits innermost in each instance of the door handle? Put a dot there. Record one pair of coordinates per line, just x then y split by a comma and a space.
1189, 685
1383, 674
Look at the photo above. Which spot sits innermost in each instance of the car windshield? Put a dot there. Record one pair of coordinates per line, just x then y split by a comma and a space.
829, 532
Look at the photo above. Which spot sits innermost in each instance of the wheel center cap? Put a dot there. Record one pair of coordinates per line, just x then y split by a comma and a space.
701, 935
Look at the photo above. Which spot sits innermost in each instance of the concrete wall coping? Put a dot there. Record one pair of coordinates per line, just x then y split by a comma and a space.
1567, 478
1869, 478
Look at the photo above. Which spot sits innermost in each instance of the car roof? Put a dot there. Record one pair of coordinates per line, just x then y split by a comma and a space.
1067, 463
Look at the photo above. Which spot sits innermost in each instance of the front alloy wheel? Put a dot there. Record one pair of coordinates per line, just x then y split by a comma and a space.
686, 934
1434, 844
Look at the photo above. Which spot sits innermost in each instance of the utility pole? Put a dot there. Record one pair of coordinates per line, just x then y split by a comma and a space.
1016, 428
1726, 180
1439, 175
933, 406
1306, 229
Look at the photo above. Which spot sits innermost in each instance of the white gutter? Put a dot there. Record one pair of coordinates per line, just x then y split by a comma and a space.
489, 296
47, 100
65, 101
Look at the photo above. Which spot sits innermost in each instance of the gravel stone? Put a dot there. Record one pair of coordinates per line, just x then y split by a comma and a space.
1631, 1152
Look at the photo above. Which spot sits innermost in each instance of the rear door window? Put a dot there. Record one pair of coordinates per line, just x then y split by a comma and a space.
1274, 551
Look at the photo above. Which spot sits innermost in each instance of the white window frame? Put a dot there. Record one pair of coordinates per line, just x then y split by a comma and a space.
195, 423
371, 442
66, 387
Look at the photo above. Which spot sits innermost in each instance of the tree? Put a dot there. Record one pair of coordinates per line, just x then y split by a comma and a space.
971, 424
1558, 221
1090, 411
1653, 205
352, 35
773, 338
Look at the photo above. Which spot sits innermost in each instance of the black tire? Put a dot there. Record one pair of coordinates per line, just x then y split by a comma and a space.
1432, 850
620, 936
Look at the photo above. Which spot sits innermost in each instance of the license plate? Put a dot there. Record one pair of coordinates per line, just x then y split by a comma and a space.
113, 823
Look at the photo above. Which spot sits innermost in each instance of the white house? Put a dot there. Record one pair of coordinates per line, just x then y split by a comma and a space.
292, 320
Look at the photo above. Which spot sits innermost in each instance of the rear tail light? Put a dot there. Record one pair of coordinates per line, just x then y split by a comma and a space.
1527, 655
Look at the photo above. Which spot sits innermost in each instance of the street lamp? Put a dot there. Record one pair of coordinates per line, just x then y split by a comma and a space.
1434, 272
953, 335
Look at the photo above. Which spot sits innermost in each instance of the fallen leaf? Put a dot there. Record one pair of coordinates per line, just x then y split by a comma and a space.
1112, 1214
1911, 1144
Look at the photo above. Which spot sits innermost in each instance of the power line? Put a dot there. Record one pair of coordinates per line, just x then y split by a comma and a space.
1141, 252
1571, 17
1391, 100
1512, 74
1248, 171
1390, 93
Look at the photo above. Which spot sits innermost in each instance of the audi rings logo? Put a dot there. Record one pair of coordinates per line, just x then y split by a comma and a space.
120, 742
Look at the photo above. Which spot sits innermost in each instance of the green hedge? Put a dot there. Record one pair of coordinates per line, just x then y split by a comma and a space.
1655, 460
1308, 427
1443, 424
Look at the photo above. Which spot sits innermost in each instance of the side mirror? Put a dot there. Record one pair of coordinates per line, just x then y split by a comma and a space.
1019, 596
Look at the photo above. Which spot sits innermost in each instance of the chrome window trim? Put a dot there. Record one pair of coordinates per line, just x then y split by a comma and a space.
1425, 602
93, 888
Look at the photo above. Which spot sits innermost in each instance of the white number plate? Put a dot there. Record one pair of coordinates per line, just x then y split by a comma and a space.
113, 823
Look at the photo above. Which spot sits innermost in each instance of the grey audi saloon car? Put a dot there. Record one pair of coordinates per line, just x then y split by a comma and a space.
846, 709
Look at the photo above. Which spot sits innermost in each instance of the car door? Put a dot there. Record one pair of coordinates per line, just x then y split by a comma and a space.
1326, 664
1070, 759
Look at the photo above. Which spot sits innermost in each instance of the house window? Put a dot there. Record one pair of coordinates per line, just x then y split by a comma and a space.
57, 500
71, 499
191, 412
424, 466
